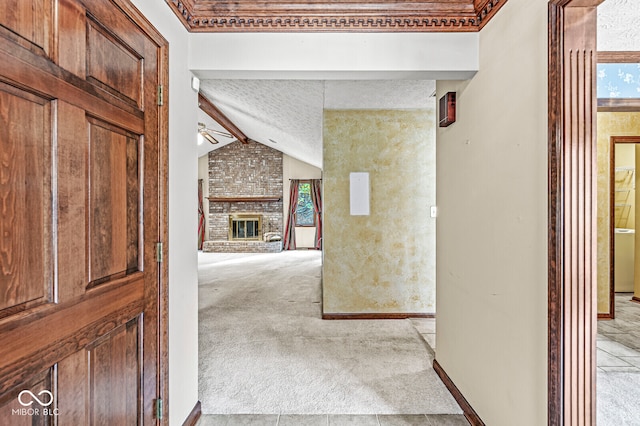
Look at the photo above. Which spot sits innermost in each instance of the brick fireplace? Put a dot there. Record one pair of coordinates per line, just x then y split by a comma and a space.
245, 181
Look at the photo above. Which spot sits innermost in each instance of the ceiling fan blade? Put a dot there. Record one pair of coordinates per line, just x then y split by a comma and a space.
219, 133
203, 128
205, 134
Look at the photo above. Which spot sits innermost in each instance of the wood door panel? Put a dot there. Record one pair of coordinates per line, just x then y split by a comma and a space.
115, 366
26, 409
113, 65
114, 202
72, 160
40, 75
25, 199
28, 23
37, 341
72, 37
80, 132
73, 388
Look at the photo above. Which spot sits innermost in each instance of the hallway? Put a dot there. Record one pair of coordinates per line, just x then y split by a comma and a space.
266, 357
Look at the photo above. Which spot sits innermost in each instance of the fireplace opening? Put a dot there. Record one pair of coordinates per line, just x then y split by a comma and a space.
245, 227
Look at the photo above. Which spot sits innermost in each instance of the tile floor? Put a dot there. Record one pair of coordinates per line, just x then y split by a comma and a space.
427, 329
618, 340
333, 420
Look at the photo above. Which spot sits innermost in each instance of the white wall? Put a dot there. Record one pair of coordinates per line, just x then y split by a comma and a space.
183, 283
296, 169
491, 260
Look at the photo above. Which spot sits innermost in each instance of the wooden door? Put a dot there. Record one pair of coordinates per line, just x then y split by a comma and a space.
81, 202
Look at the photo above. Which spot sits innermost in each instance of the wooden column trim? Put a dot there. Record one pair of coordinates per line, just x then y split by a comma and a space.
572, 212
217, 115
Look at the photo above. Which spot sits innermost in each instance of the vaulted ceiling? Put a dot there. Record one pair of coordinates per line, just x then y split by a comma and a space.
335, 15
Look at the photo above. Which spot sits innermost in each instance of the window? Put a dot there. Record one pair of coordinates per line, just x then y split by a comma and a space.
305, 215
618, 80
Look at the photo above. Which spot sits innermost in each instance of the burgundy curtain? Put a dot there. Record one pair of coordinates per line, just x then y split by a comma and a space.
200, 216
290, 231
316, 190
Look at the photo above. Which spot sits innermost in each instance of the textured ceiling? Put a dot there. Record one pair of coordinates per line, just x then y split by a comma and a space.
619, 25
287, 114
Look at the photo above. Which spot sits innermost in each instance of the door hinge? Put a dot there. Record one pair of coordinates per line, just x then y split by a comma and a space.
159, 252
159, 409
160, 95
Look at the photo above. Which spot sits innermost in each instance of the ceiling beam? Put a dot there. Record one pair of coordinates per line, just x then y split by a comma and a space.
217, 115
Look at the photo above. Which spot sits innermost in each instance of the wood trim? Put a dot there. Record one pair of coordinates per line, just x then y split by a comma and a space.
159, 297
612, 209
374, 316
604, 316
635, 299
628, 57
326, 16
244, 199
469, 413
212, 111
613, 140
618, 105
194, 415
554, 373
572, 212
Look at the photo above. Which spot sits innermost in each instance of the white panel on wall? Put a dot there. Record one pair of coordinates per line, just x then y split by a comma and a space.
359, 193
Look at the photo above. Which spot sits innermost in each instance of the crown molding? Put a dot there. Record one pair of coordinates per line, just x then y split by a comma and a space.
331, 16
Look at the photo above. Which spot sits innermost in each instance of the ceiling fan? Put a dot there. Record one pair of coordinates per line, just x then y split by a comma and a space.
208, 133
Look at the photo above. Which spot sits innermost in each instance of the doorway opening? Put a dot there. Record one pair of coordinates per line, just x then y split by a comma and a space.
624, 156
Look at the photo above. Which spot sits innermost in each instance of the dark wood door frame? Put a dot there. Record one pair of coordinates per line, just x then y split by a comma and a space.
160, 297
157, 122
572, 211
612, 210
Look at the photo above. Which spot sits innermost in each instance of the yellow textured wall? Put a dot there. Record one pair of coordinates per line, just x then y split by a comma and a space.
609, 124
384, 262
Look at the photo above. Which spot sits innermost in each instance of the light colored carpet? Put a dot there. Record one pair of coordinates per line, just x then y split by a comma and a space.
265, 349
